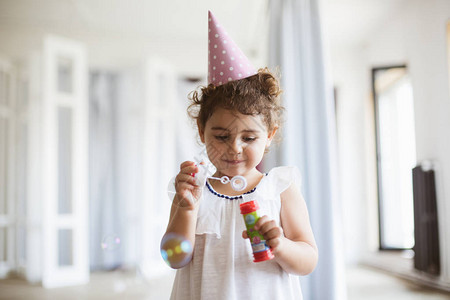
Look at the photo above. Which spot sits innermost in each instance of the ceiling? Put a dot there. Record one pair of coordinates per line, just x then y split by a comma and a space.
116, 30
150, 19
351, 22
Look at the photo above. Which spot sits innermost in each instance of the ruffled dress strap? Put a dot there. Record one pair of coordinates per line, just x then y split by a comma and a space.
282, 177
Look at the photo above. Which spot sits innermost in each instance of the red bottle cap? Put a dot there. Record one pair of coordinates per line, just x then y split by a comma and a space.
263, 255
248, 207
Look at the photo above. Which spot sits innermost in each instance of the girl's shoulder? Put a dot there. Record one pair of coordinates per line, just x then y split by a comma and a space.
282, 177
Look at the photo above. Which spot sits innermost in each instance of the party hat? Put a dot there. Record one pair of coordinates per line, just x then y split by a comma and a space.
226, 62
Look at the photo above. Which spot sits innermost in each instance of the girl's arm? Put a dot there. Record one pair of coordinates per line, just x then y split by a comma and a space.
183, 213
296, 251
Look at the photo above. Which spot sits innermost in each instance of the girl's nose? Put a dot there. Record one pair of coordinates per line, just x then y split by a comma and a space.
235, 146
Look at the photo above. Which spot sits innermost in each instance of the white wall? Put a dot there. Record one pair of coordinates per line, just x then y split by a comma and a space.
416, 35
348, 69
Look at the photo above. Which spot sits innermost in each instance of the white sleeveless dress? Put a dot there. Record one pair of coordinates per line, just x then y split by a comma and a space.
222, 266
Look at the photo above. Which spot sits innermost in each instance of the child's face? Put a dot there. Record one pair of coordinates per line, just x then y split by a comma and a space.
235, 143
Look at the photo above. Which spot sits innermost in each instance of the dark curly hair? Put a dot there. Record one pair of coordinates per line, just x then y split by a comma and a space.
255, 95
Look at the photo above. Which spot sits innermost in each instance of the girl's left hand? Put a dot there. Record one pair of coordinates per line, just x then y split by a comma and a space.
272, 233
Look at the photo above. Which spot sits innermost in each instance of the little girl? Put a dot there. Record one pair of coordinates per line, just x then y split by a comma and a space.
238, 115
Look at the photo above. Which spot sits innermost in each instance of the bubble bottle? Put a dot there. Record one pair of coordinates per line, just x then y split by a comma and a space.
250, 212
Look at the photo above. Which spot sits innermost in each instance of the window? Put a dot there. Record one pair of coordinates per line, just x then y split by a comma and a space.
396, 156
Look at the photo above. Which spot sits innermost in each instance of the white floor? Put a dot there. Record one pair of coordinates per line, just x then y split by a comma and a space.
370, 284
363, 283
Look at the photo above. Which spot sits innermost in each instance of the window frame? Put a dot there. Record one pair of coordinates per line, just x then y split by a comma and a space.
374, 70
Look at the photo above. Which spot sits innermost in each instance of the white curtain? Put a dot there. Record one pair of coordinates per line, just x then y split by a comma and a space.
188, 142
115, 162
115, 165
103, 201
309, 139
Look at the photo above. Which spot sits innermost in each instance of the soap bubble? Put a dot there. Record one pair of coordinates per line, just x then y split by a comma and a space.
238, 183
171, 191
110, 242
176, 250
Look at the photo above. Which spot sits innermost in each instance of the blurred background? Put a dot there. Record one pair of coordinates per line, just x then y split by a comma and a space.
93, 125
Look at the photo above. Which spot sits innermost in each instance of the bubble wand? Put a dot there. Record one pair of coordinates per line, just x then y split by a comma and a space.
238, 182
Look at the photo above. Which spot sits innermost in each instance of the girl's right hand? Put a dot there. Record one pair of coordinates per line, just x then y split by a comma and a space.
187, 192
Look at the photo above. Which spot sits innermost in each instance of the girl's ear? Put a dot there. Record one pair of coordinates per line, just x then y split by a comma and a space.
201, 131
271, 135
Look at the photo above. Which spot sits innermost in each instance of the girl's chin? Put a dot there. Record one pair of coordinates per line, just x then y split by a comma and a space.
232, 171
228, 173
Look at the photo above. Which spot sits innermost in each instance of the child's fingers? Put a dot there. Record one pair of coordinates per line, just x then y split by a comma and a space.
266, 226
189, 170
186, 164
273, 243
261, 222
182, 179
273, 233
184, 186
244, 234
187, 191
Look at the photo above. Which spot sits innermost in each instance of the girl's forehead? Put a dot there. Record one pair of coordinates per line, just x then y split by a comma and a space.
232, 120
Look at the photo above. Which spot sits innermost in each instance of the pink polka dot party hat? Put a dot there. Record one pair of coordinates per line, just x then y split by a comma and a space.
226, 62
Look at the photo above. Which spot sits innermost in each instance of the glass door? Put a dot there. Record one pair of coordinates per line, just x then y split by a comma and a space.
158, 161
7, 151
64, 163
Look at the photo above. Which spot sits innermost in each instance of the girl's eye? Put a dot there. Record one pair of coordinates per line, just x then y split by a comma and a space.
221, 137
249, 139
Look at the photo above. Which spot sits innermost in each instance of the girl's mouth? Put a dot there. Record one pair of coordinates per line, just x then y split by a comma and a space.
233, 162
